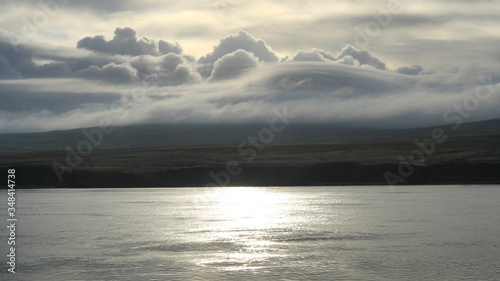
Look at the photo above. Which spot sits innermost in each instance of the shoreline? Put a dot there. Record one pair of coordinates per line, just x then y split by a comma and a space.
250, 186
325, 174
464, 159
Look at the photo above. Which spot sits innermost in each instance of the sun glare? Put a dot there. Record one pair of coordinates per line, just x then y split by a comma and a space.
244, 216
247, 206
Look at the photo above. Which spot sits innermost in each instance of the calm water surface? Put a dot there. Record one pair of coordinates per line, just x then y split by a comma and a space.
264, 233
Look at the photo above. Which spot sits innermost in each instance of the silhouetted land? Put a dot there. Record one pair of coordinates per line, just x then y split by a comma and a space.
305, 155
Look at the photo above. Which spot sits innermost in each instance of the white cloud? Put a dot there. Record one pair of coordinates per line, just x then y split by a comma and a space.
312, 55
241, 41
114, 73
424, 61
125, 43
312, 91
233, 64
362, 56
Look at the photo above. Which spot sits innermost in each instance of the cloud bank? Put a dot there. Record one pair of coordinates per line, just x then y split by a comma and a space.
134, 81
125, 43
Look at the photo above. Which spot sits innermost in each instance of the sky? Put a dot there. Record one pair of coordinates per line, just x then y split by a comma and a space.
381, 63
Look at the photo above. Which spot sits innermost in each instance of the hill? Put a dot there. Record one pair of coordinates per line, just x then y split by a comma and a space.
168, 135
197, 155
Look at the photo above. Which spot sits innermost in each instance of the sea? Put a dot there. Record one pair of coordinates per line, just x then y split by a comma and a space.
256, 233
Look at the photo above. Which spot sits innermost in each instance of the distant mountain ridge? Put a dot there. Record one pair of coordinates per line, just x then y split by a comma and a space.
165, 135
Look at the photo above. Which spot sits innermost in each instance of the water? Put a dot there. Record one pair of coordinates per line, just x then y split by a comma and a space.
268, 233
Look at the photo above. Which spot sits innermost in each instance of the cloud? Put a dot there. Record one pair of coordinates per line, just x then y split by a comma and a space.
83, 60
108, 61
167, 48
348, 60
114, 73
312, 91
233, 64
19, 62
16, 61
104, 6
26, 100
312, 55
133, 82
7, 71
174, 70
463, 31
362, 56
241, 41
125, 59
308, 80
125, 43
166, 70
413, 70
348, 56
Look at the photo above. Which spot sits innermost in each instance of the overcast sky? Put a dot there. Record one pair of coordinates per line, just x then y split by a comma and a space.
396, 64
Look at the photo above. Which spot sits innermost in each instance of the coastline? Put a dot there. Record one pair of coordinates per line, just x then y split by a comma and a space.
329, 174
470, 158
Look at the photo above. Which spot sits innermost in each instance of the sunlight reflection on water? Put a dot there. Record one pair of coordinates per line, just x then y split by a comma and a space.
244, 217
259, 233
